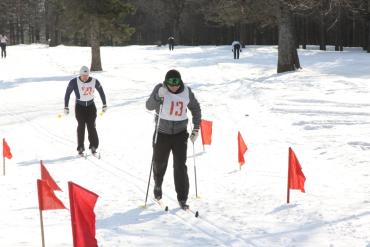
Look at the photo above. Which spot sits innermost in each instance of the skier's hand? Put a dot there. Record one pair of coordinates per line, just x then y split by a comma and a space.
161, 92
194, 135
104, 109
66, 110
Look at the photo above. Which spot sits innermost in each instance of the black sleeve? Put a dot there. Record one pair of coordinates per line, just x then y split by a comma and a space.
99, 87
68, 93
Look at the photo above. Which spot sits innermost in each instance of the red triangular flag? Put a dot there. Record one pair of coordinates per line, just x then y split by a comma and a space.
47, 198
206, 132
6, 150
46, 177
82, 204
296, 177
242, 148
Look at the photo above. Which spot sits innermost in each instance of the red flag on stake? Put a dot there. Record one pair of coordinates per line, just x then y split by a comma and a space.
6, 154
6, 150
296, 177
47, 199
82, 203
206, 132
46, 177
242, 148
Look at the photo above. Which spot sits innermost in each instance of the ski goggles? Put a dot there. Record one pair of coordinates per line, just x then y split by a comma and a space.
173, 81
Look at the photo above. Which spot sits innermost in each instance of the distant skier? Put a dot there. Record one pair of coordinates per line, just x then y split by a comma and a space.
175, 98
171, 43
236, 48
85, 110
3, 40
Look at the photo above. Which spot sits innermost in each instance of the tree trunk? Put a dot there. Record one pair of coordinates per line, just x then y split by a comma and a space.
368, 26
95, 46
322, 27
303, 28
288, 59
12, 33
368, 35
363, 35
176, 32
339, 35
243, 35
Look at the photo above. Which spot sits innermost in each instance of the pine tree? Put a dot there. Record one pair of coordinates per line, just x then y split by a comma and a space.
97, 21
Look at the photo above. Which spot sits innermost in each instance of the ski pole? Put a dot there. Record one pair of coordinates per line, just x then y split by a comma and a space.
195, 174
151, 165
150, 175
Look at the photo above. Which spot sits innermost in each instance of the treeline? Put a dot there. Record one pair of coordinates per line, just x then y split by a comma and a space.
217, 22
70, 22
191, 22
287, 23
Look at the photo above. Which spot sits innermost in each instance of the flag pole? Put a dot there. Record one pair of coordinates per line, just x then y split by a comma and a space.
288, 194
42, 229
3, 158
40, 206
71, 203
288, 191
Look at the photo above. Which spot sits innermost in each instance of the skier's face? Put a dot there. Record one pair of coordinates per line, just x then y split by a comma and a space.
84, 78
173, 89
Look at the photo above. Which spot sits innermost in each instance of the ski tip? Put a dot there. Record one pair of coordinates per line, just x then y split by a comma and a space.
166, 208
196, 214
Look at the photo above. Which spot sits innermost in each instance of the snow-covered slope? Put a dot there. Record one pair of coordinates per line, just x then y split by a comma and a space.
322, 112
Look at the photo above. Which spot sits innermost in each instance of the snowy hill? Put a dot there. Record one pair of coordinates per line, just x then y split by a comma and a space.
322, 112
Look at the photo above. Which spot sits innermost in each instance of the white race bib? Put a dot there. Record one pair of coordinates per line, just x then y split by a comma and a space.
86, 89
175, 106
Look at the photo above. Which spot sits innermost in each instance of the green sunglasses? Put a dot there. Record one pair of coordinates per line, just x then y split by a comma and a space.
173, 81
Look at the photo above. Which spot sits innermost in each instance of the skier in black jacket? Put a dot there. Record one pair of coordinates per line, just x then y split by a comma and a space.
171, 43
85, 110
3, 40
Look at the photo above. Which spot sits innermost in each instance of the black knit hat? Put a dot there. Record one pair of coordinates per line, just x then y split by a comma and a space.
172, 74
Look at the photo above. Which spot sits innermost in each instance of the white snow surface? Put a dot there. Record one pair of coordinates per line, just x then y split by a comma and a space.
321, 111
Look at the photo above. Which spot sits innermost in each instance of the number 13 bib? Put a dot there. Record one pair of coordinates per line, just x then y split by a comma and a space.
175, 106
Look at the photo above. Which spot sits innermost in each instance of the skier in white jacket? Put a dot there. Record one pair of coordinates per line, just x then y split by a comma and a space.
236, 48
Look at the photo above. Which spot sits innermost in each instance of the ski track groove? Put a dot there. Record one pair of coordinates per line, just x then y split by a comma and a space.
224, 240
218, 231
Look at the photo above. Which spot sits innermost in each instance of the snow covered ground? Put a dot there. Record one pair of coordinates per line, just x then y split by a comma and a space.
321, 111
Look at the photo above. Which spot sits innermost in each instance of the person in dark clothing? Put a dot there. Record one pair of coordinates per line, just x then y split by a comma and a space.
236, 48
3, 40
170, 100
85, 110
171, 43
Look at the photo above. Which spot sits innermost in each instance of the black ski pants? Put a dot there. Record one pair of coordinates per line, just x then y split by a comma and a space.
3, 49
236, 53
178, 144
86, 116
